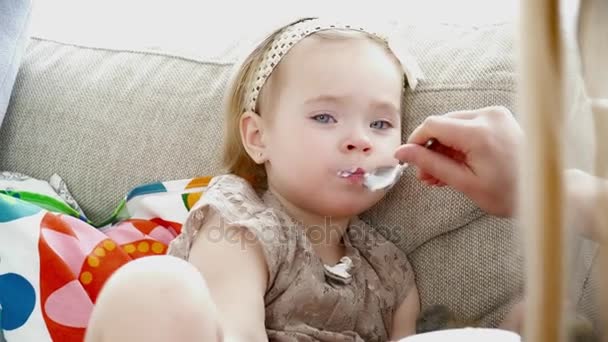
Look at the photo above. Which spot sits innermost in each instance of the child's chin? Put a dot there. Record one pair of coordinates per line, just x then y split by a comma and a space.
348, 207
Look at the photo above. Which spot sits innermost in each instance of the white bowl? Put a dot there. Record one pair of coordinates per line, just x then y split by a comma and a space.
465, 335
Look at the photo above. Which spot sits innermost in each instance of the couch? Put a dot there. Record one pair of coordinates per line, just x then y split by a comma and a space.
108, 118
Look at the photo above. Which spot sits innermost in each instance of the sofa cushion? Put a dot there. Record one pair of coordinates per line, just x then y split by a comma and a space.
112, 120
109, 119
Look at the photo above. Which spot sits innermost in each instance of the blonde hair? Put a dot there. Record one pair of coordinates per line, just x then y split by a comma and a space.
235, 158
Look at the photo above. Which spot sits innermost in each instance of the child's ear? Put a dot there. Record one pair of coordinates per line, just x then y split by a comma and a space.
252, 136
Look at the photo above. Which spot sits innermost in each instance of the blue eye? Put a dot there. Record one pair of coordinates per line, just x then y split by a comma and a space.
324, 118
380, 124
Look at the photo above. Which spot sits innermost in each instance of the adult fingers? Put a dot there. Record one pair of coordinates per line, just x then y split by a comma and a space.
463, 114
438, 166
451, 132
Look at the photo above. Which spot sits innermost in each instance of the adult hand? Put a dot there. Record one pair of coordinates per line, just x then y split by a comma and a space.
477, 154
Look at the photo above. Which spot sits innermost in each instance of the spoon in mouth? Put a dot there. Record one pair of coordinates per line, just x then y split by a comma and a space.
384, 177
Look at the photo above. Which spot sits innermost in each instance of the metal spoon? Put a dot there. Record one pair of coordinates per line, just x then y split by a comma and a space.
384, 177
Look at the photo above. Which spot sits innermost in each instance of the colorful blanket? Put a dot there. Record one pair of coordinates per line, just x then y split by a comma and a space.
53, 261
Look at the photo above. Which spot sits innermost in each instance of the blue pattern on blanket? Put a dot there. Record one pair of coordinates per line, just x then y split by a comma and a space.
12, 209
146, 189
17, 299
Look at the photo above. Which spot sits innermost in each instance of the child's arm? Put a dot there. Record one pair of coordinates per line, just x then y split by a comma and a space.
404, 319
236, 273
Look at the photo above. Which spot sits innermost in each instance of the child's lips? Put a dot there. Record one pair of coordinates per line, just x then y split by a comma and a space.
356, 178
352, 173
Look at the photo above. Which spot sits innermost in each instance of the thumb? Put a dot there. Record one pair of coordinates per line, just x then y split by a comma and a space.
446, 170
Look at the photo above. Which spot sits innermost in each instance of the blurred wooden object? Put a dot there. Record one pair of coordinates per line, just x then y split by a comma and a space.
541, 97
592, 37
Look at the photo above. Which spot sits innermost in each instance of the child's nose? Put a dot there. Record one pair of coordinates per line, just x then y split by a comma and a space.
362, 144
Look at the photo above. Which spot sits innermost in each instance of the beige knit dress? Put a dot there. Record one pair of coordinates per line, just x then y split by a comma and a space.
306, 300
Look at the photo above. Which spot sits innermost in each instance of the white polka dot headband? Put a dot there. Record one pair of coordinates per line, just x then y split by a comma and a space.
301, 29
